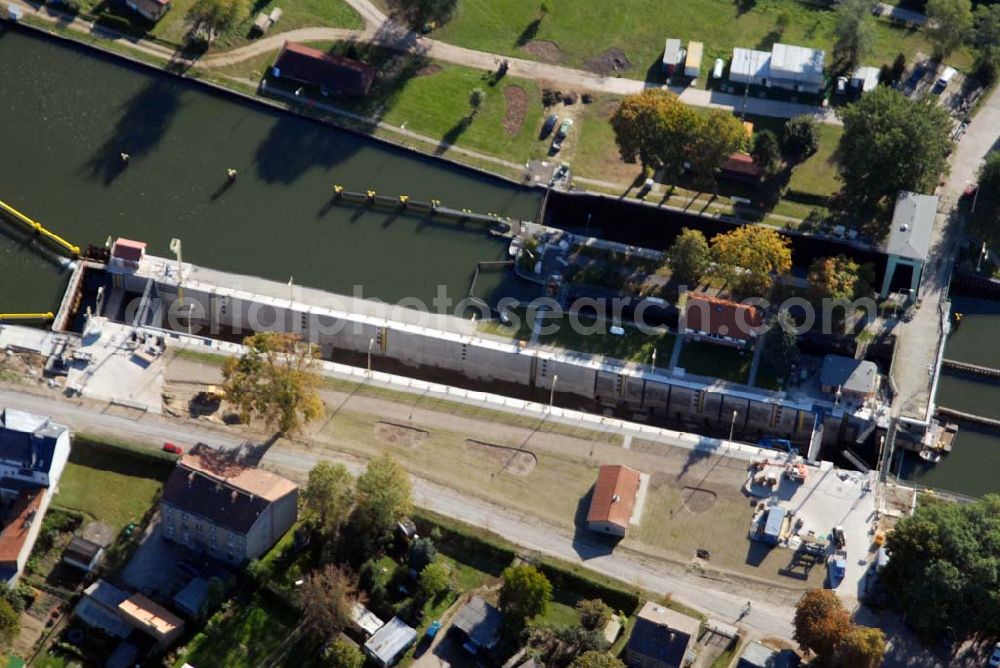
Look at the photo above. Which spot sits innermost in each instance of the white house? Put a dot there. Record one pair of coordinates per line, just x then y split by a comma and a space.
795, 68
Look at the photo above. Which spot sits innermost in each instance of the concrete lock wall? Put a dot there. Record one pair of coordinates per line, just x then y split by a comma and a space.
487, 361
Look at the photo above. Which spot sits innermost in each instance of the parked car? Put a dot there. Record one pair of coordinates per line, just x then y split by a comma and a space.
173, 449
549, 125
561, 134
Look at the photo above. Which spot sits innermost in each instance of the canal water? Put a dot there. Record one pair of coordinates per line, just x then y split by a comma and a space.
67, 114
973, 467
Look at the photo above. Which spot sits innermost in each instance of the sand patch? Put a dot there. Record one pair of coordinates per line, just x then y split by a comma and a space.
507, 459
698, 500
543, 50
399, 435
517, 106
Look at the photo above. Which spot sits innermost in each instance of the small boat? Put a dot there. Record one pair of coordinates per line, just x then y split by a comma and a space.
932, 456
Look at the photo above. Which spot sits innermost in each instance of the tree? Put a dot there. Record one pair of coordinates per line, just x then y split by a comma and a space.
948, 22
384, 497
275, 380
10, 623
821, 622
476, 99
944, 569
215, 16
327, 498
766, 151
838, 278
748, 255
985, 37
342, 653
863, 647
420, 12
525, 594
596, 659
433, 580
854, 32
328, 596
655, 128
800, 138
422, 554
594, 614
891, 143
780, 345
689, 257
215, 595
986, 217
718, 134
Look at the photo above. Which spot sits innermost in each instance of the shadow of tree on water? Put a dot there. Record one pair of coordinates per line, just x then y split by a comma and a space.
140, 128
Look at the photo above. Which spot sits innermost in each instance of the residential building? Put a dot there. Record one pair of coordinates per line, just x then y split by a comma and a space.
390, 642
850, 381
909, 241
660, 638
151, 10
215, 504
795, 68
151, 618
33, 454
613, 500
331, 74
119, 614
479, 623
708, 318
86, 551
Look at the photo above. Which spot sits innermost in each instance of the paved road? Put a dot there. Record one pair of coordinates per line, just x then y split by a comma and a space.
772, 609
918, 338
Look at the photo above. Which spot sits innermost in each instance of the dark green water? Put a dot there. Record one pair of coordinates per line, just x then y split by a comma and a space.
67, 114
973, 467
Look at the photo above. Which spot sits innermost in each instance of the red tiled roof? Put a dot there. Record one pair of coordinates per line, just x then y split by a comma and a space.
741, 164
313, 67
722, 317
614, 495
22, 515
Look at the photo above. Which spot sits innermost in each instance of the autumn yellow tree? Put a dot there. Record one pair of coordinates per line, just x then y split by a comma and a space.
717, 135
821, 622
749, 256
275, 380
655, 128
862, 647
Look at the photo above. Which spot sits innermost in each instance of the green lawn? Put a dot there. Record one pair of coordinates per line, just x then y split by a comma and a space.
818, 174
583, 29
109, 486
710, 359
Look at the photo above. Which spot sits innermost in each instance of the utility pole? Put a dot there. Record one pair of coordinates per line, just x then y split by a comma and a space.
732, 426
371, 345
552, 391
175, 248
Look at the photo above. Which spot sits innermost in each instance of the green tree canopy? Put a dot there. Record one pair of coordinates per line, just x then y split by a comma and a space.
717, 135
854, 32
275, 380
749, 255
839, 277
525, 594
862, 647
384, 497
986, 217
766, 151
10, 623
433, 580
821, 622
422, 553
689, 256
944, 568
800, 138
594, 614
891, 143
328, 498
596, 659
948, 24
655, 128
780, 345
342, 653
215, 16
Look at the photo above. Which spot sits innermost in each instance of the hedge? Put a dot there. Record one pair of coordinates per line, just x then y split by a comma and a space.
802, 197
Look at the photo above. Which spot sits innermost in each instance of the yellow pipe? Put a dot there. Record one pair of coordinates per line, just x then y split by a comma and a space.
37, 227
27, 316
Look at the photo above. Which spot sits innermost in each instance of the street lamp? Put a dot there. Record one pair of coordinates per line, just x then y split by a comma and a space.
371, 345
552, 391
652, 366
982, 254
975, 196
732, 426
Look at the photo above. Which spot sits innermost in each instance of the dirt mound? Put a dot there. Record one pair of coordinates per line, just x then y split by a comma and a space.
543, 50
517, 106
608, 107
609, 62
398, 435
698, 500
507, 459
430, 68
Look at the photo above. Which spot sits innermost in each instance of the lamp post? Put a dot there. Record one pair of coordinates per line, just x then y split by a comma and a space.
552, 391
982, 254
732, 426
975, 196
652, 366
371, 345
